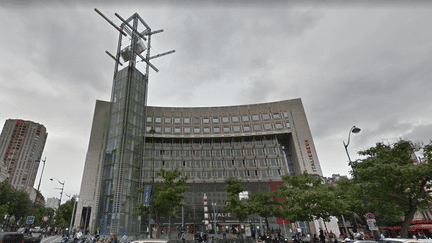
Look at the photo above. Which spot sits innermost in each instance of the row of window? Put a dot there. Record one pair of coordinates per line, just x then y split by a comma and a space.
243, 163
225, 129
212, 153
215, 175
216, 119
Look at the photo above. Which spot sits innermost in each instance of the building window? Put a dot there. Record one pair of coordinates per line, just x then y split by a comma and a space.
187, 129
246, 128
158, 129
285, 114
226, 129
207, 129
288, 125
235, 118
225, 119
148, 129
216, 129
206, 120
186, 120
177, 120
196, 120
196, 130
149, 119
257, 127
215, 120
255, 117
168, 120
276, 115
236, 128
177, 130
245, 118
158, 120
167, 129
278, 125
267, 126
266, 116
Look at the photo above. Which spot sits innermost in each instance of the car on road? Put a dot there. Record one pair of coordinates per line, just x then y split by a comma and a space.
11, 237
152, 241
401, 240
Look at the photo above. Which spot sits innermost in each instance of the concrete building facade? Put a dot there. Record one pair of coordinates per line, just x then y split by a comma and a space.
21, 146
257, 143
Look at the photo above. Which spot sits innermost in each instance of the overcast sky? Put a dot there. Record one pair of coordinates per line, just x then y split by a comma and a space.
367, 64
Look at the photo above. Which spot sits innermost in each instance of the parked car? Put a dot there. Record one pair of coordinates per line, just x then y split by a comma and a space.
152, 241
33, 235
11, 237
401, 240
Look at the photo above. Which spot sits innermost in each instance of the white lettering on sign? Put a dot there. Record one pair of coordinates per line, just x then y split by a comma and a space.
310, 156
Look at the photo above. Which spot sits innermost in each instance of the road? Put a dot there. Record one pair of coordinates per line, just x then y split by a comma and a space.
52, 239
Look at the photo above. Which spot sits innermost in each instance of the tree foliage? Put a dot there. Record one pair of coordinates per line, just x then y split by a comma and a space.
64, 216
264, 204
166, 196
393, 182
239, 208
306, 198
18, 205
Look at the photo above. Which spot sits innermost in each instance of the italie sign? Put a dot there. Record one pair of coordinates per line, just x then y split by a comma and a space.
310, 156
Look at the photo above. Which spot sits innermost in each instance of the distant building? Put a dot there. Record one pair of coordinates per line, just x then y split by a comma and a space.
335, 177
21, 146
35, 195
52, 202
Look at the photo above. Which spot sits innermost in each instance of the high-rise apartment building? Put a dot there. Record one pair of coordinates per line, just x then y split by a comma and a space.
21, 146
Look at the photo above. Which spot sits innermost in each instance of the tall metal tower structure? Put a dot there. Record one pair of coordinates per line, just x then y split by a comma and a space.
123, 155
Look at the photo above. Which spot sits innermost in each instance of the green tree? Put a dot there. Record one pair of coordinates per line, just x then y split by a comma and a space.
3, 210
307, 197
64, 215
264, 204
166, 196
39, 211
240, 209
393, 182
19, 203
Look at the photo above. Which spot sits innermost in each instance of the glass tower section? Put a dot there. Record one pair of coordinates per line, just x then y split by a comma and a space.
123, 154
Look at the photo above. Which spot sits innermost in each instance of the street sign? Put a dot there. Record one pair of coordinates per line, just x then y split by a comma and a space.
370, 216
30, 220
45, 219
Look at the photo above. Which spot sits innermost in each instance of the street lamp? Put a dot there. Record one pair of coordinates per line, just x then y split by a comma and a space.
355, 129
61, 193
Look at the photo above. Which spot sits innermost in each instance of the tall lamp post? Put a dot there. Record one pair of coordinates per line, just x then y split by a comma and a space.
61, 193
355, 129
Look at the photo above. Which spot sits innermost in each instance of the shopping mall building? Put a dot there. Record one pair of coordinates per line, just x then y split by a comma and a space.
257, 143
130, 142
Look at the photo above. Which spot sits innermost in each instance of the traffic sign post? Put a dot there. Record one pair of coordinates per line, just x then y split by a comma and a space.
45, 219
30, 220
